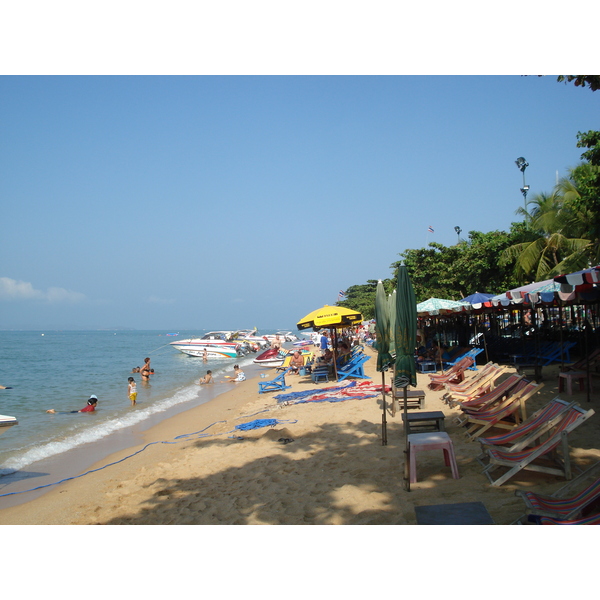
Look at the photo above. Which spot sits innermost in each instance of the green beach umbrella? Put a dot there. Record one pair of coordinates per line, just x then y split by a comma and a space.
382, 329
405, 336
392, 317
382, 345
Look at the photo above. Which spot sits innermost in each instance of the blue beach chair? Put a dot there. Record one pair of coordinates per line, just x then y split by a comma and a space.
275, 385
353, 368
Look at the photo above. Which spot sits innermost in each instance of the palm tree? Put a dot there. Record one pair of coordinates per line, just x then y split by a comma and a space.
558, 244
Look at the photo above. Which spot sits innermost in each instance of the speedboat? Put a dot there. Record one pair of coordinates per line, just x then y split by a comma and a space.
6, 423
222, 351
273, 357
217, 344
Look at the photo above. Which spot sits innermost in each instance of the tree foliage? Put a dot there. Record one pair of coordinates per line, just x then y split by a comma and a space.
591, 81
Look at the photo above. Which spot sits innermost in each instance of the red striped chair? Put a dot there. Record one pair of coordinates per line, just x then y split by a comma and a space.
530, 430
591, 520
518, 460
454, 374
486, 401
506, 415
559, 505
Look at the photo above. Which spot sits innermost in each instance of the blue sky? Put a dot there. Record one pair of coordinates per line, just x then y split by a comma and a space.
233, 201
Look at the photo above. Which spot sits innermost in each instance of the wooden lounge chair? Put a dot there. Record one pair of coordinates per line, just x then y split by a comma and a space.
453, 375
505, 416
274, 385
541, 458
475, 384
529, 431
591, 520
484, 401
562, 504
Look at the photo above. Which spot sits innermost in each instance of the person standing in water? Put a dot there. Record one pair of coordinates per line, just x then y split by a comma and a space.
145, 370
132, 390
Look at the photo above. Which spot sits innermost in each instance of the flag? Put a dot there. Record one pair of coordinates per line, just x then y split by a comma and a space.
341, 294
430, 229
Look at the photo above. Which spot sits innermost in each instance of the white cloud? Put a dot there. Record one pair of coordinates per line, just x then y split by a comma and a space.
11, 289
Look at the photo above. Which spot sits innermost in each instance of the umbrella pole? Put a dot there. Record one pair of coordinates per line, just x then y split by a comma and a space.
407, 447
393, 393
334, 345
383, 416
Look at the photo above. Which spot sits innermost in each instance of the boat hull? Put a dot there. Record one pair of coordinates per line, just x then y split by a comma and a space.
211, 351
6, 423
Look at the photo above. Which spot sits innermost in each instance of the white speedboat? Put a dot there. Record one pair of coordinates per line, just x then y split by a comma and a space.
217, 344
6, 423
212, 351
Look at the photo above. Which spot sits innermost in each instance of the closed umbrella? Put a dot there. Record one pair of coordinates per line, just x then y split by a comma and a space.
405, 336
382, 344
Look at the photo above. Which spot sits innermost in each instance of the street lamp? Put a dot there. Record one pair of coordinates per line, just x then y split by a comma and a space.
458, 230
522, 164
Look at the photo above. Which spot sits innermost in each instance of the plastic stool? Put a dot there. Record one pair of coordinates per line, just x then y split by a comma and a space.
437, 440
568, 376
320, 376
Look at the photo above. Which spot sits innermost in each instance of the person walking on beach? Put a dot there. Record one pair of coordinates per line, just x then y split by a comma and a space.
205, 356
91, 407
132, 390
208, 378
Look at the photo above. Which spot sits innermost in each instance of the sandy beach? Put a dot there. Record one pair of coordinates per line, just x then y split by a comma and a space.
335, 471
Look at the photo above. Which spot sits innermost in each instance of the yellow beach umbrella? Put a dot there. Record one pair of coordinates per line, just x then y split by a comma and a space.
330, 317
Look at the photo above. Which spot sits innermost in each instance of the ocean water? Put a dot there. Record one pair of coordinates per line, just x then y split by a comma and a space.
61, 369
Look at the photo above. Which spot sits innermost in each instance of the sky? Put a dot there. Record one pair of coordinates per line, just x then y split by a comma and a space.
204, 201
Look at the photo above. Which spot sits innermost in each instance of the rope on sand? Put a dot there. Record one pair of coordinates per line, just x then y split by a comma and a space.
179, 438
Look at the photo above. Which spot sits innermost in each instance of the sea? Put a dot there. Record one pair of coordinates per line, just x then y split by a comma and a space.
60, 370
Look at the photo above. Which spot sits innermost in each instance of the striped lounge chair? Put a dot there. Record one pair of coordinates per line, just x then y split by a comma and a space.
560, 506
528, 458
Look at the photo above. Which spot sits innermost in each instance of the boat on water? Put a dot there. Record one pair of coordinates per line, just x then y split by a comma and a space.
218, 344
284, 336
6, 423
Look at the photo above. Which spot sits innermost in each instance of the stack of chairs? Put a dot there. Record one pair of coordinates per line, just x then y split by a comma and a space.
506, 415
477, 402
474, 384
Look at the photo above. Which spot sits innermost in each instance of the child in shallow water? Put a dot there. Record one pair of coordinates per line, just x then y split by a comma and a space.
132, 390
208, 378
91, 407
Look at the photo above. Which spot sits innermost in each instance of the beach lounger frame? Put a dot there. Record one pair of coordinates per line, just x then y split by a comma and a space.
524, 460
560, 505
354, 368
276, 384
531, 430
513, 406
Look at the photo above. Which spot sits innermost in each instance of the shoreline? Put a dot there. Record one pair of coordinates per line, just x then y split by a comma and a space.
73, 464
336, 471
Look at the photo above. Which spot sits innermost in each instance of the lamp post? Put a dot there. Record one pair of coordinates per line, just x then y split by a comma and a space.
458, 230
522, 164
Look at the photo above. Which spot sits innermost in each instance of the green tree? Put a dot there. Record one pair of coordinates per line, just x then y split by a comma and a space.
362, 297
556, 226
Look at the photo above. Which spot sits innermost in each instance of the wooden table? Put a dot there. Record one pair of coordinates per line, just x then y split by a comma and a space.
415, 398
425, 421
